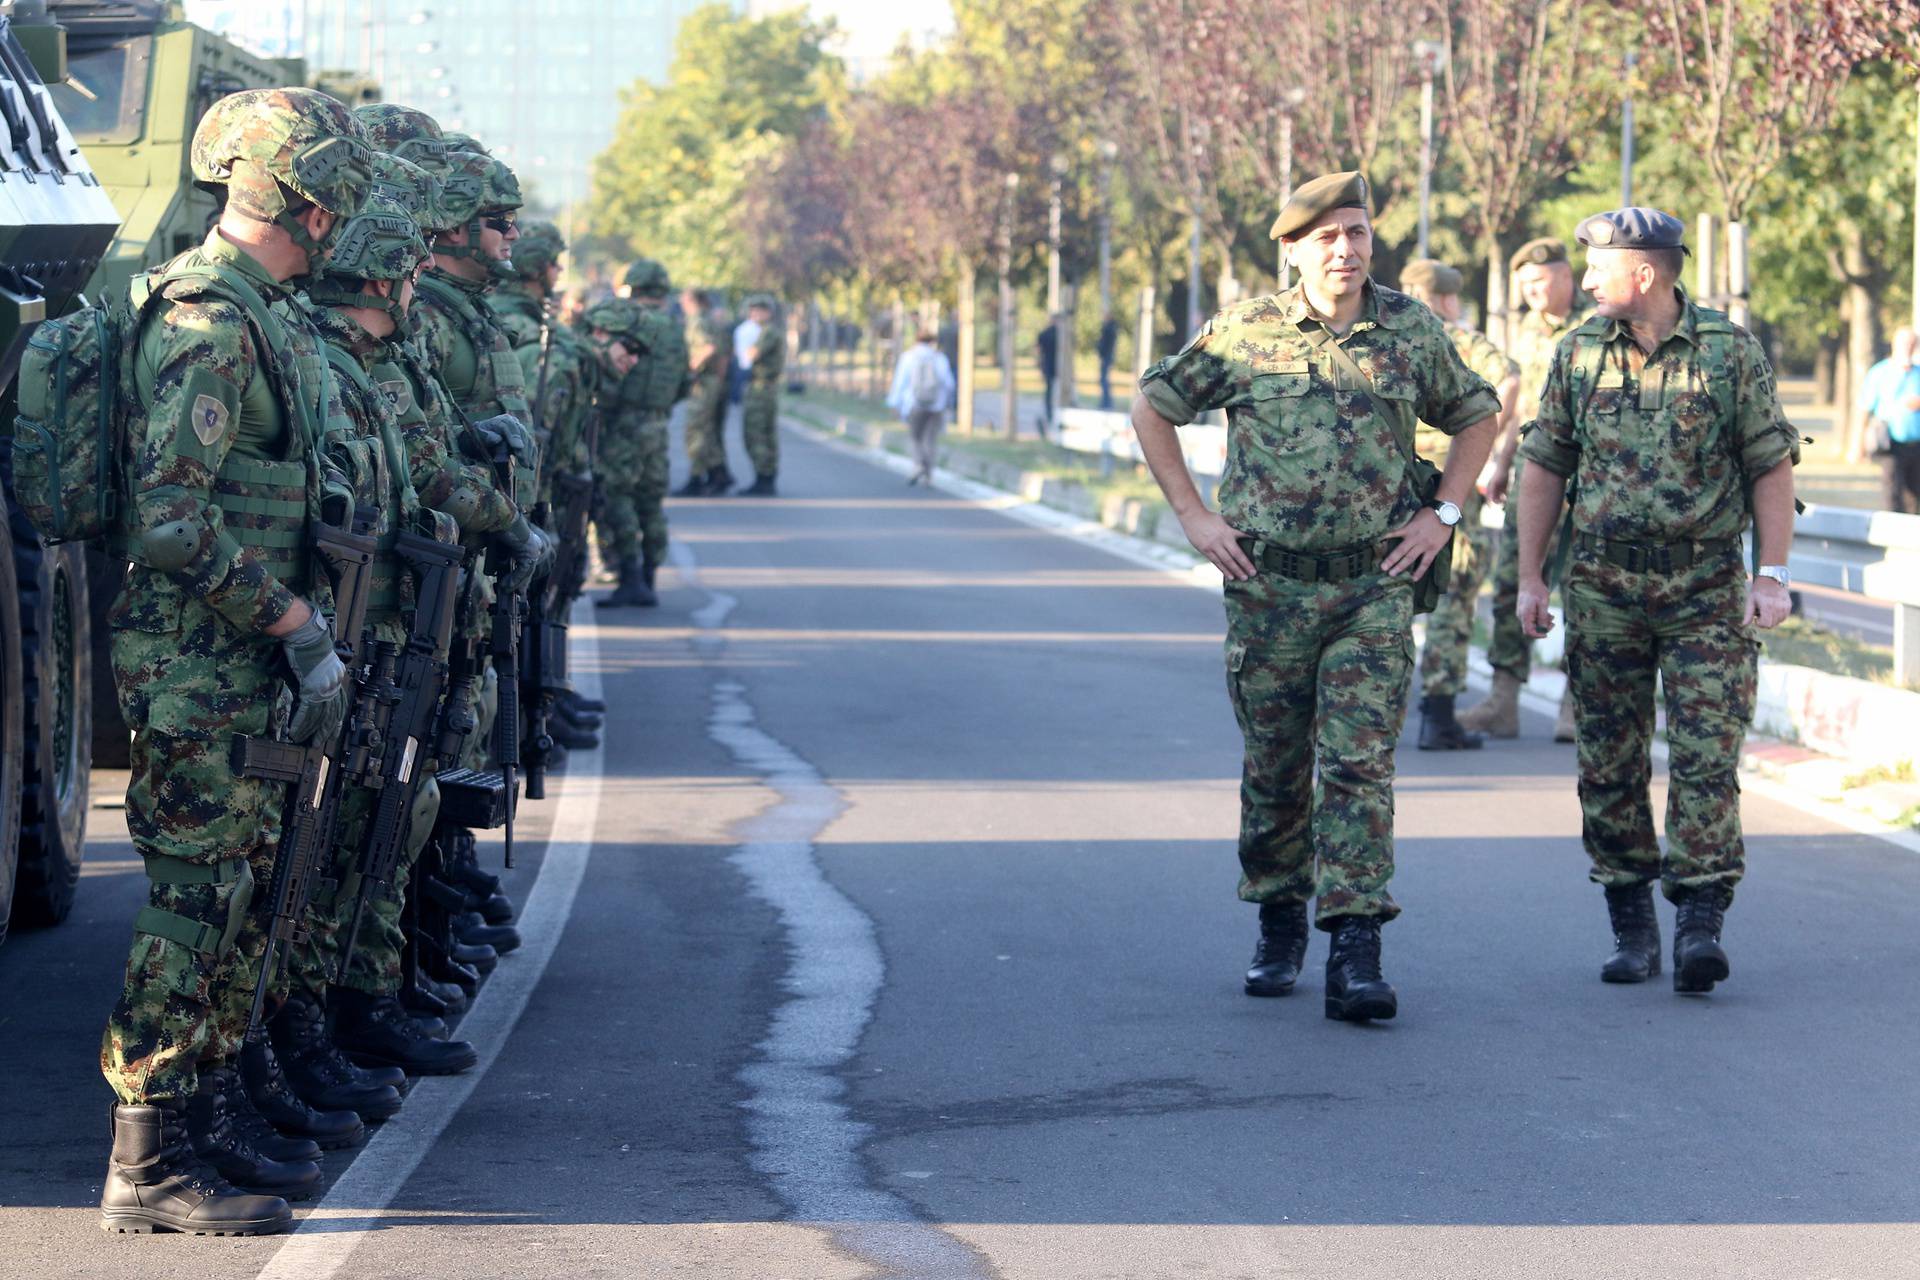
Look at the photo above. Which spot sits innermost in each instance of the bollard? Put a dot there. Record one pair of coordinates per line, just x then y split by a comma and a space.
1906, 644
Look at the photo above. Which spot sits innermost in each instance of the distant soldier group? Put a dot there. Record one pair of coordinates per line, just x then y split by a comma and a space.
360, 461
1654, 423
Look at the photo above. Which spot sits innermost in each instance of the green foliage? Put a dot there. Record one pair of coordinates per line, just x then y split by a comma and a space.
739, 89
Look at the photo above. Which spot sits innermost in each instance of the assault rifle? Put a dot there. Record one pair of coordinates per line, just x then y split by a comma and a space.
418, 678
345, 545
509, 615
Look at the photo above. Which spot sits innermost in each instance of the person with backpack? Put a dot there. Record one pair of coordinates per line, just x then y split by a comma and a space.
216, 633
1664, 419
921, 394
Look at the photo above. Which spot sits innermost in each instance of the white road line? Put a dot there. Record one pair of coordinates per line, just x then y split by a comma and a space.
326, 1238
1205, 576
805, 1140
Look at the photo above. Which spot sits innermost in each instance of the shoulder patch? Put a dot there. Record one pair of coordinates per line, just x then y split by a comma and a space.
209, 420
399, 396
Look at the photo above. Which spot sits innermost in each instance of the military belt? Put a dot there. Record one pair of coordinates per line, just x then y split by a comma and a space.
1653, 557
1313, 566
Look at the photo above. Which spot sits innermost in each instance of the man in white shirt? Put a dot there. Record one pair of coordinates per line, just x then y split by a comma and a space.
922, 393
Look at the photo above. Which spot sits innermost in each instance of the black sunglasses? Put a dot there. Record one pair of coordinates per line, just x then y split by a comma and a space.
501, 222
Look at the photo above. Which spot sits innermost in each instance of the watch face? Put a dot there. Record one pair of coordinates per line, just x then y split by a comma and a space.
1449, 513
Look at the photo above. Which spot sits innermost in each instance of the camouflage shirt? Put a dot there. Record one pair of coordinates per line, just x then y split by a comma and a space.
208, 395
444, 480
1661, 447
562, 398
1479, 354
1531, 345
1312, 459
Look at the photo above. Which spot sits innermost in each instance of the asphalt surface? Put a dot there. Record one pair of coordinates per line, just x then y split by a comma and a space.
905, 944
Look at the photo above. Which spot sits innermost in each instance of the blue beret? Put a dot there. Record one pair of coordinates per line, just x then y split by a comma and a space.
1634, 227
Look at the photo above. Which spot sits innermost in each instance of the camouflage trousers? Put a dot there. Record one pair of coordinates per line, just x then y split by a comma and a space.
1684, 629
759, 415
1508, 649
207, 838
632, 515
1318, 675
1443, 659
706, 424
375, 967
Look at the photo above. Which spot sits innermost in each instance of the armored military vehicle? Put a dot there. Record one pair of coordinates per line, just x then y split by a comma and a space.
56, 222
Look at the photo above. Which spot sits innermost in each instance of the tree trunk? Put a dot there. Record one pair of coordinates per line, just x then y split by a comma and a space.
1863, 332
1496, 326
963, 376
1823, 361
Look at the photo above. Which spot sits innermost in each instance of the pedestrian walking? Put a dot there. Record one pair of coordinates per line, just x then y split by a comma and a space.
1664, 417
1891, 412
1107, 346
1047, 347
1328, 520
1443, 659
921, 394
1544, 280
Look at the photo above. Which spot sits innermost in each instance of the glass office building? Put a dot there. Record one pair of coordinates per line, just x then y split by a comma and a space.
538, 81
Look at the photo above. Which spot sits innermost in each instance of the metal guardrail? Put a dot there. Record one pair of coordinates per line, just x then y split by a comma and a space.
1873, 554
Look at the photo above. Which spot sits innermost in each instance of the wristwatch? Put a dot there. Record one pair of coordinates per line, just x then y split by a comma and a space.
1449, 513
1778, 572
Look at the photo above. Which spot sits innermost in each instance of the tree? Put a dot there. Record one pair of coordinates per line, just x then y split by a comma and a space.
1518, 94
739, 91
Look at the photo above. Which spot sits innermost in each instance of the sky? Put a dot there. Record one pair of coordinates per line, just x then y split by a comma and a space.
873, 27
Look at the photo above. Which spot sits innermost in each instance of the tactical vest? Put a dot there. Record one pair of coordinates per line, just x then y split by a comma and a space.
265, 503
666, 364
380, 479
499, 386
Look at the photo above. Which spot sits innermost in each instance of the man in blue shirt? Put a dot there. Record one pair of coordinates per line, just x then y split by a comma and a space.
1891, 405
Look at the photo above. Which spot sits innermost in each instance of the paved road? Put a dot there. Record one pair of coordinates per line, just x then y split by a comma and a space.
904, 944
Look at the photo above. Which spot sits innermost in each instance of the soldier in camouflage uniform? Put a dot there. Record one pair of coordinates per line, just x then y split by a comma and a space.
216, 614
1664, 417
359, 305
1544, 280
640, 427
709, 355
1443, 661
760, 404
1322, 535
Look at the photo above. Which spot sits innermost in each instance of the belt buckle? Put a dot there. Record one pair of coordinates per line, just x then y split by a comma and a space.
1290, 564
1663, 559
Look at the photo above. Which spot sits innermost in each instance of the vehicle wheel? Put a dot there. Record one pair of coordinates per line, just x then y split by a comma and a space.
12, 725
56, 658
112, 740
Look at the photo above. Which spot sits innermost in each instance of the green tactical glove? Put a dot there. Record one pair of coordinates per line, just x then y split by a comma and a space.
322, 680
532, 550
504, 427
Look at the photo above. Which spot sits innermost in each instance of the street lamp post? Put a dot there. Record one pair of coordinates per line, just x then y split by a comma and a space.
1057, 166
1433, 58
1009, 387
1289, 102
1626, 134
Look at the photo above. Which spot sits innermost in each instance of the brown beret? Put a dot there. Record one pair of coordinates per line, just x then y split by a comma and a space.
1538, 252
1314, 200
1432, 275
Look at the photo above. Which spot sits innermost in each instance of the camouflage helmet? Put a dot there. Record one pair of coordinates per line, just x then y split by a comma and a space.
381, 242
539, 247
405, 132
261, 144
649, 279
462, 188
416, 189
465, 142
619, 317
502, 189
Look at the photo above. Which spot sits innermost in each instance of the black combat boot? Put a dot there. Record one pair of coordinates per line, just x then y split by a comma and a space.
319, 1073
1282, 949
1636, 935
230, 1155
633, 591
377, 1029
1355, 990
477, 956
762, 487
460, 866
648, 567
695, 487
267, 1088
472, 928
719, 481
578, 717
579, 702
1698, 959
426, 997
252, 1126
156, 1183
570, 737
1439, 731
